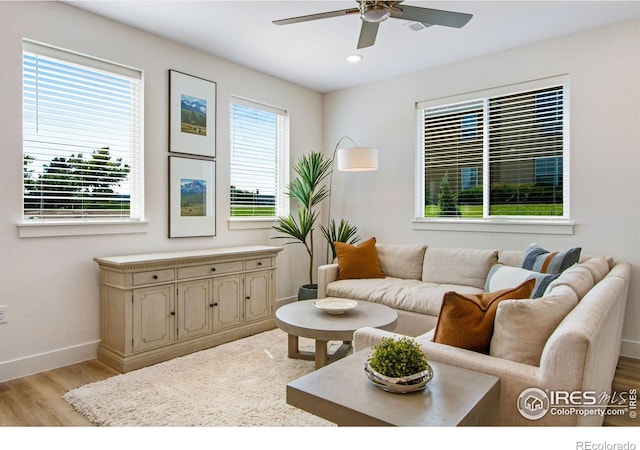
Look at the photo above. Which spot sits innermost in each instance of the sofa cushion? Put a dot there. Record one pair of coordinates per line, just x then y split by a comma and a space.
358, 261
510, 257
398, 293
504, 277
541, 260
401, 261
521, 329
599, 268
467, 267
578, 277
466, 321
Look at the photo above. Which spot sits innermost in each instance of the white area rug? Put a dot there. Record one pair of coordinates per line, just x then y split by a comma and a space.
241, 383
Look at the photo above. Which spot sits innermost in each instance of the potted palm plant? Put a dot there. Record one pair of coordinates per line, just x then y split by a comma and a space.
308, 189
344, 232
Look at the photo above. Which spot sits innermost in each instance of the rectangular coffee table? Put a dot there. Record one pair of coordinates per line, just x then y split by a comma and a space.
342, 394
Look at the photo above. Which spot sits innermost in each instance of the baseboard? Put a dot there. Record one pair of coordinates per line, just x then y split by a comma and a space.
283, 301
630, 349
33, 364
30, 365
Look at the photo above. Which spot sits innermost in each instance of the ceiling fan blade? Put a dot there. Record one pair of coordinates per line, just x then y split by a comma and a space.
431, 16
325, 15
368, 33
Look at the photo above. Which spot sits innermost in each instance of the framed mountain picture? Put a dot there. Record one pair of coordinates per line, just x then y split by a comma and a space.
192, 115
192, 195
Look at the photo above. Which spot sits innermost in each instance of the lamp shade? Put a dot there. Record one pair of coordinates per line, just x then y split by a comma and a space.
355, 159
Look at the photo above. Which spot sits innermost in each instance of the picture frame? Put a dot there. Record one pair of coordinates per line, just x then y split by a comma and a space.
192, 194
192, 115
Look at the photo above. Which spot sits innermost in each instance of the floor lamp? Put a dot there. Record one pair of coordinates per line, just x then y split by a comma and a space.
350, 159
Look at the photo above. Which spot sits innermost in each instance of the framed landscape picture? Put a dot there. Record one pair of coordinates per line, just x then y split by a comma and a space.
192, 115
192, 195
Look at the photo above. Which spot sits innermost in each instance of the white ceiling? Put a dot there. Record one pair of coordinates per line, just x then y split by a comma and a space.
313, 54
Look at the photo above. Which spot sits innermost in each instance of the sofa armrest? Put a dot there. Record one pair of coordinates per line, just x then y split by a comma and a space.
326, 274
370, 337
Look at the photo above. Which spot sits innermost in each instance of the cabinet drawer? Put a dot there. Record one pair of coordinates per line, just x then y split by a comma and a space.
156, 276
209, 269
261, 263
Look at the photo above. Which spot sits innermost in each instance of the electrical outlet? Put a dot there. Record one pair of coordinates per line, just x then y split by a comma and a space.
3, 314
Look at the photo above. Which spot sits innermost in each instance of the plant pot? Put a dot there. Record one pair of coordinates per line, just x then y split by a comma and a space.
401, 385
308, 292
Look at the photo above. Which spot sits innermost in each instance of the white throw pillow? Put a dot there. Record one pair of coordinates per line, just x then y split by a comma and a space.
506, 277
523, 327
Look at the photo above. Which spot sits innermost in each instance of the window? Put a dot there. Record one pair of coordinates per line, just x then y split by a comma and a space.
259, 152
495, 155
82, 138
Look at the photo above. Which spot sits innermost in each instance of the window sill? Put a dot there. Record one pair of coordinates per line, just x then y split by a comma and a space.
495, 226
85, 228
251, 223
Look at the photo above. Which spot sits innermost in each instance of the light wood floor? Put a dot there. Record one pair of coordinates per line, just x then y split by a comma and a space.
36, 400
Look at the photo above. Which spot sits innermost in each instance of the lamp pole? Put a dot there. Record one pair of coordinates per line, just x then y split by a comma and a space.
333, 162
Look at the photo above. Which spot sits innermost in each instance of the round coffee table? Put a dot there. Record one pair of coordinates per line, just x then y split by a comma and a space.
302, 319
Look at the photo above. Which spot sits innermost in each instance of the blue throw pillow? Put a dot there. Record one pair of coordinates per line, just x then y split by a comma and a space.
540, 260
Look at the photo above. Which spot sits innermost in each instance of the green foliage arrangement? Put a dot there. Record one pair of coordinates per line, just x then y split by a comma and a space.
398, 358
307, 188
344, 232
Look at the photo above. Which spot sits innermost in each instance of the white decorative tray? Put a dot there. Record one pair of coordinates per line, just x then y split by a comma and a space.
335, 305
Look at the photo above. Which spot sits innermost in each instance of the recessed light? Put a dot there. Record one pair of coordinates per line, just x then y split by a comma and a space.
354, 58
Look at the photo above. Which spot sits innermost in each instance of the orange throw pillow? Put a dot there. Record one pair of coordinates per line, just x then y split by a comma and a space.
358, 261
466, 320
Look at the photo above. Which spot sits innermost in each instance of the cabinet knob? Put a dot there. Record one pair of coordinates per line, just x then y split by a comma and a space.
155, 277
248, 298
213, 269
213, 304
173, 313
259, 264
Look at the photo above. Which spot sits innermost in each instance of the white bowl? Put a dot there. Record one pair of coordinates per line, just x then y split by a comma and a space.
335, 305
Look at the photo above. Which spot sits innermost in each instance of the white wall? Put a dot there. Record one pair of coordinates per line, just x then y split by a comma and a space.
51, 284
604, 69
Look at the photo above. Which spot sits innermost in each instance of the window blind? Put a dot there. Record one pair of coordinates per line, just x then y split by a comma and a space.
499, 155
82, 137
258, 149
453, 156
526, 137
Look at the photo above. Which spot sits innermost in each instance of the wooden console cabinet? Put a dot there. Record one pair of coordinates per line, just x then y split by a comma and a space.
157, 306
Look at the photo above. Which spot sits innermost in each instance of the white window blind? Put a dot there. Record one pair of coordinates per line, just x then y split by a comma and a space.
259, 147
82, 137
495, 156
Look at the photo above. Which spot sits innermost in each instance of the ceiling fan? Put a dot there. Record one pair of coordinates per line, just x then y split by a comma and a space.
374, 12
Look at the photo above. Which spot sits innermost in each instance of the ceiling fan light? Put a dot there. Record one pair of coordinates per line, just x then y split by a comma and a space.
375, 13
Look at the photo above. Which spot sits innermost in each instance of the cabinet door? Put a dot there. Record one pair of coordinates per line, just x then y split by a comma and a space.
195, 303
153, 317
258, 295
227, 301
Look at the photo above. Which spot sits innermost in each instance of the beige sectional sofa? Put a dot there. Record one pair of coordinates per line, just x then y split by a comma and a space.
567, 339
